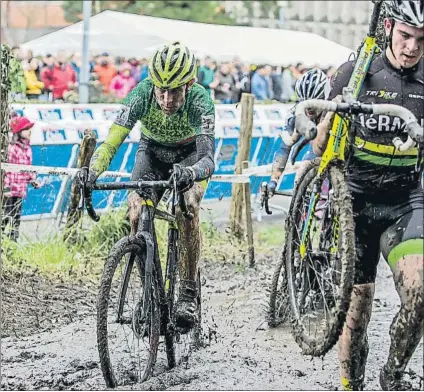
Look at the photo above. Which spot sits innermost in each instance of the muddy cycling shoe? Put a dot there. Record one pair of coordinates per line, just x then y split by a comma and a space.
354, 385
186, 306
392, 381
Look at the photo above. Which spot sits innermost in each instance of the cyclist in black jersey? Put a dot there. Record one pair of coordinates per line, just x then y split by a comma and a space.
387, 197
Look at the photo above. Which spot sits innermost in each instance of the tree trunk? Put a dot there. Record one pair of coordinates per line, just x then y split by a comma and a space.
87, 147
4, 109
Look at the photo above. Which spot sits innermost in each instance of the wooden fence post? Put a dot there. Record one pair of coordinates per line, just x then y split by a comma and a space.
86, 151
244, 141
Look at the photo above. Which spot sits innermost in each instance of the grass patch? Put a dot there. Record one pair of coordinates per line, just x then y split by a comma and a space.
219, 245
84, 258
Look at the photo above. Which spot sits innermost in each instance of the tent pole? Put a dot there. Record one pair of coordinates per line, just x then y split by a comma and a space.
85, 72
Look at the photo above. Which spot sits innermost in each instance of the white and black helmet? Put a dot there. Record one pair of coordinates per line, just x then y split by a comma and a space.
313, 84
408, 12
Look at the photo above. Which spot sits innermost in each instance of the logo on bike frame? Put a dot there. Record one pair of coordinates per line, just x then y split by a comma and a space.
388, 95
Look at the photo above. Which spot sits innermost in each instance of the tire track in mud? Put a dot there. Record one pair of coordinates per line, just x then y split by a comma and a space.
242, 352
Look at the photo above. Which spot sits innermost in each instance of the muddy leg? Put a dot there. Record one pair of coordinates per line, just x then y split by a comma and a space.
407, 327
134, 206
353, 342
190, 236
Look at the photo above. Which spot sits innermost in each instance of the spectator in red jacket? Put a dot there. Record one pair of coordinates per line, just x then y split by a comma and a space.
15, 184
59, 78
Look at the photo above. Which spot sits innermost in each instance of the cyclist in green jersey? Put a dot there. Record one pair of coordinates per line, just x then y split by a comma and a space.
177, 119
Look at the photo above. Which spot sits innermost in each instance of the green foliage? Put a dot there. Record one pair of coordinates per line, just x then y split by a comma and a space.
11, 69
195, 11
16, 77
55, 259
112, 226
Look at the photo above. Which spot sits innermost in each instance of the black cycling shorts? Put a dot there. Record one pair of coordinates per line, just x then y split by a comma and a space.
154, 162
390, 224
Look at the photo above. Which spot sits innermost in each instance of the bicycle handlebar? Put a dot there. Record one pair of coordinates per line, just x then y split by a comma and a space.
114, 186
137, 185
308, 128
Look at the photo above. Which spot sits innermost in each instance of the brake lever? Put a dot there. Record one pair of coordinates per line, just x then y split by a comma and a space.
81, 179
181, 201
81, 202
265, 198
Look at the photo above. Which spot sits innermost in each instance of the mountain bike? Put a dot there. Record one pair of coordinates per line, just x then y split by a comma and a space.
279, 309
136, 300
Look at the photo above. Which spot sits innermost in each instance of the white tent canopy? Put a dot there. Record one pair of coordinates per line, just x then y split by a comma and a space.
131, 35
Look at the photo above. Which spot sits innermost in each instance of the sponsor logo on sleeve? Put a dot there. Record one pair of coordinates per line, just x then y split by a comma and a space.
123, 115
208, 124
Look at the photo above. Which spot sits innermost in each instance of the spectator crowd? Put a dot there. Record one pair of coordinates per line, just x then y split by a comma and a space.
55, 77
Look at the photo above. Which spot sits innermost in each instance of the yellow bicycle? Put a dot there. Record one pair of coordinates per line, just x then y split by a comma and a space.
314, 279
279, 309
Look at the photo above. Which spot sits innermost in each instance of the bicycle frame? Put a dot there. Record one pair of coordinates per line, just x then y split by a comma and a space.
146, 231
166, 283
337, 141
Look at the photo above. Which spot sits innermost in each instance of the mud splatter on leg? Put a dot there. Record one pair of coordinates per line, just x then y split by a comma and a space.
190, 236
134, 206
353, 343
407, 327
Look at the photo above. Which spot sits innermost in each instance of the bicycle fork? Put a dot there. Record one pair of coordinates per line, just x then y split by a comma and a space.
308, 222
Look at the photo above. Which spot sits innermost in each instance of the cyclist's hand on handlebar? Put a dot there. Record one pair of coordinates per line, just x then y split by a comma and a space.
338, 98
184, 177
272, 186
418, 137
87, 177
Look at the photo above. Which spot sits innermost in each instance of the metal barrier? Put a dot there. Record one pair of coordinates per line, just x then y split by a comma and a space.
59, 130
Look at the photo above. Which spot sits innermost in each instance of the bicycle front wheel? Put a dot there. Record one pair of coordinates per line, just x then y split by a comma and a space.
128, 316
320, 284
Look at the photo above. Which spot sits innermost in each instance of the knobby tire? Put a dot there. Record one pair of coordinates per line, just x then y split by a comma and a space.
343, 208
122, 247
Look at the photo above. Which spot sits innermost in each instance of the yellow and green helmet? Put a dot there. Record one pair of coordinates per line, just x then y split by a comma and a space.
172, 66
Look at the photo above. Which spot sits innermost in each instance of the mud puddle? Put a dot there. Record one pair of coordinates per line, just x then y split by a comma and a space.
242, 352
31, 304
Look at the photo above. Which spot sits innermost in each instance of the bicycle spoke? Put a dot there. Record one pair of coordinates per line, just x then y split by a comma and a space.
129, 325
315, 275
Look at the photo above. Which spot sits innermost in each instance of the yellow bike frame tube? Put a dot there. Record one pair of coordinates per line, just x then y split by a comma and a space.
337, 140
338, 136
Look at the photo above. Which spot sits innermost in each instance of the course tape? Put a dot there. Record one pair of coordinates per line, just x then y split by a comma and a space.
71, 172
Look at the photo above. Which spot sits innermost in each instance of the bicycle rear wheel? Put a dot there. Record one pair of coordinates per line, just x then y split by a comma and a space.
128, 315
320, 285
279, 307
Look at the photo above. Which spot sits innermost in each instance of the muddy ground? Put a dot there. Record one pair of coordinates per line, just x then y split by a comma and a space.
51, 340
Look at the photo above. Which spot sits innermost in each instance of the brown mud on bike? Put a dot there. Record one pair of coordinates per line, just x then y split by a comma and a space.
137, 295
316, 268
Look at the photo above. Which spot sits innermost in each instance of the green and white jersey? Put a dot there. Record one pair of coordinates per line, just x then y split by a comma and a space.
195, 117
